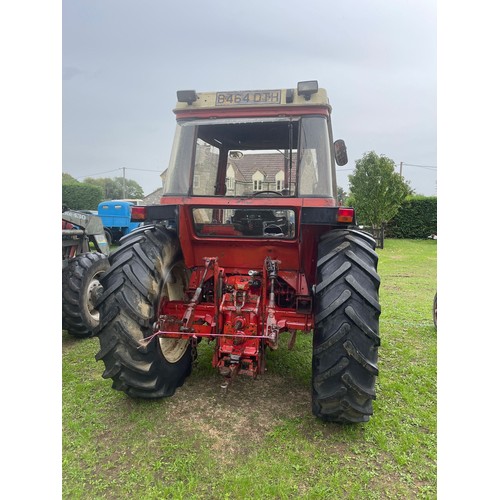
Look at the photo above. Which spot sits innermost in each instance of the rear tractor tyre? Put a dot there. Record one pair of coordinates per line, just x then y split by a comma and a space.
146, 269
80, 291
346, 331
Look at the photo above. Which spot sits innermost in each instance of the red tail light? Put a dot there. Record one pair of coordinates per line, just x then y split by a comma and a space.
345, 215
138, 214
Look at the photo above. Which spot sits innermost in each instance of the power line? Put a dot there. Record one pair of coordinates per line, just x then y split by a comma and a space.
117, 169
144, 170
427, 167
432, 167
100, 173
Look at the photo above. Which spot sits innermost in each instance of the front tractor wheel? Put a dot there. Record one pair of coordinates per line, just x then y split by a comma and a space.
80, 291
346, 331
145, 270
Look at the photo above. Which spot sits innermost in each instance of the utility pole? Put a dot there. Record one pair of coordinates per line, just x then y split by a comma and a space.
123, 182
401, 169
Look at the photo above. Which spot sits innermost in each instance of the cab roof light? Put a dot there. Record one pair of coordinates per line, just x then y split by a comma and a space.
345, 215
188, 96
307, 89
138, 214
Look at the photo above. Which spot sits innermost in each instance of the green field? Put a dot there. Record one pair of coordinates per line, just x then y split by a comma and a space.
259, 440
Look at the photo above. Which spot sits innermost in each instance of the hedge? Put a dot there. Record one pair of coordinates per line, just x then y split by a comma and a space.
416, 219
81, 196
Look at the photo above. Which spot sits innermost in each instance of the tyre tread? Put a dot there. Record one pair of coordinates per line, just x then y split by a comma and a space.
128, 306
346, 339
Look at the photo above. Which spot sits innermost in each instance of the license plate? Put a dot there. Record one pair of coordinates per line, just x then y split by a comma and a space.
248, 97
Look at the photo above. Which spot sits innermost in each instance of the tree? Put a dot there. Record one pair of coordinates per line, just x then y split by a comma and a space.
377, 191
80, 196
113, 188
341, 196
68, 179
86, 194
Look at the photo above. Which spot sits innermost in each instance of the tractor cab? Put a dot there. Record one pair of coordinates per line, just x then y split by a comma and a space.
244, 164
253, 143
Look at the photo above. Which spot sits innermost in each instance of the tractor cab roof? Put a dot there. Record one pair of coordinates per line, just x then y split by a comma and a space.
307, 94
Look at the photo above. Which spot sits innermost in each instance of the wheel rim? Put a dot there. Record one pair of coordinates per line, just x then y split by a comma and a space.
93, 291
173, 289
173, 349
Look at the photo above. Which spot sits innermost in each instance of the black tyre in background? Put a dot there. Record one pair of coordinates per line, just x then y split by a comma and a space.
80, 290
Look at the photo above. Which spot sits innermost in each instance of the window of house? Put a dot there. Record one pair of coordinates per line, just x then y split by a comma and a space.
279, 180
257, 180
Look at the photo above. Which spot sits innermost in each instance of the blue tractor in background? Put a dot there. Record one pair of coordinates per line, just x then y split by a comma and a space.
115, 216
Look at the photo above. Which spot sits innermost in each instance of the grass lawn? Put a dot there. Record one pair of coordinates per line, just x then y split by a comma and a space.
260, 440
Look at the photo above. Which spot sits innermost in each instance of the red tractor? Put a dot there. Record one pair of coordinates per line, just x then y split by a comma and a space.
248, 242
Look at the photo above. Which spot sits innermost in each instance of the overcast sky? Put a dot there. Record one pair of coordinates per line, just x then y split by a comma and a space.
124, 60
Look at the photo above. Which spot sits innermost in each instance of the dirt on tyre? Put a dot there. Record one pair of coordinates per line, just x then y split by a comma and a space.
146, 270
80, 290
346, 333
